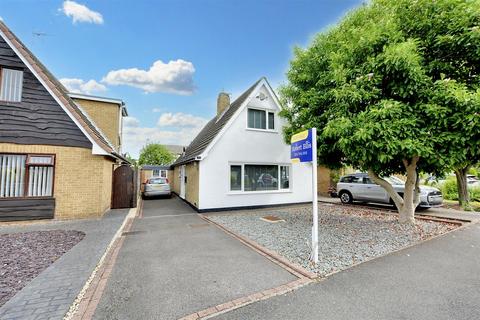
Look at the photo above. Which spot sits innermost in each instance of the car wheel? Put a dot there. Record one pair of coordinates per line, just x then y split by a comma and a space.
346, 197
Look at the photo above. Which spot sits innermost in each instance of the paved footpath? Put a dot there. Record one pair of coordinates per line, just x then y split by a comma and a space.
173, 263
50, 294
438, 279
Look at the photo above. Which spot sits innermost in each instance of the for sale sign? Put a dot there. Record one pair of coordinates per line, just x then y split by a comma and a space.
302, 146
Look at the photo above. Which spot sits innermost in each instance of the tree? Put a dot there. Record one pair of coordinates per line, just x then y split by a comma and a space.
155, 154
379, 90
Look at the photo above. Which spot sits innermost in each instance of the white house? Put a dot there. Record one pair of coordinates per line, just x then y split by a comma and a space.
240, 159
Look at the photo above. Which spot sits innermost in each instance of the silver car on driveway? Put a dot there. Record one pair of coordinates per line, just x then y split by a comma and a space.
156, 187
359, 187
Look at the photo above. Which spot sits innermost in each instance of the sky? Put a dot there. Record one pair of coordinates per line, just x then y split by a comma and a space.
168, 60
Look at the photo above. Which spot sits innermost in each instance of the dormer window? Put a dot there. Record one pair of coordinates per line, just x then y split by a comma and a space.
11, 82
261, 119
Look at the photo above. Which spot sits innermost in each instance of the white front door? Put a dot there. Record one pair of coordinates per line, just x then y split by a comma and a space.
182, 182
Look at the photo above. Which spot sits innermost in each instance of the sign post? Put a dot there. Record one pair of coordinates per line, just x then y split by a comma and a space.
304, 149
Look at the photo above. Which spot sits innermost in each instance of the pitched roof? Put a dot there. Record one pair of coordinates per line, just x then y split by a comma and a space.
212, 128
60, 92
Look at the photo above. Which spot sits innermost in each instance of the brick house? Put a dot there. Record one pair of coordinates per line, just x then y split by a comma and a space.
58, 150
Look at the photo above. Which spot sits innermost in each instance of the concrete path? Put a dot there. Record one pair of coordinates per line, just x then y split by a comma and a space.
50, 294
438, 279
173, 264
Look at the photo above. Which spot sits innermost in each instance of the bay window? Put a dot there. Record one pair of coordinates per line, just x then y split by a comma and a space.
11, 83
259, 177
260, 119
26, 175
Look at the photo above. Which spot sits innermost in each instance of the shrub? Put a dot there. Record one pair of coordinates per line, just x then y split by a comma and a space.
450, 191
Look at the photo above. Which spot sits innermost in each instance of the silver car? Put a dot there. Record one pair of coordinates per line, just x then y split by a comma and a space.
359, 187
156, 187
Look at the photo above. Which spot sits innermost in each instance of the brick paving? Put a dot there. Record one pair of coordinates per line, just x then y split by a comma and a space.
51, 293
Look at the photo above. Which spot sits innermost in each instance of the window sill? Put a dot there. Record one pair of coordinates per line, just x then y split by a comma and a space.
233, 193
26, 198
262, 130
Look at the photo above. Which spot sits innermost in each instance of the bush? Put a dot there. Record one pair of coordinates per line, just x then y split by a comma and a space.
450, 191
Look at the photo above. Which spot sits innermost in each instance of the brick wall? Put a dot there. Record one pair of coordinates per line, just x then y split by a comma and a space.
83, 182
106, 117
191, 188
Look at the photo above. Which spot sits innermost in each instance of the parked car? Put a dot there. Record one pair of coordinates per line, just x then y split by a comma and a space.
472, 181
156, 187
267, 180
359, 187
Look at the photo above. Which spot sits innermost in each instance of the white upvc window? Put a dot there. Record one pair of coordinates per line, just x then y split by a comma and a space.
11, 85
260, 119
26, 175
259, 177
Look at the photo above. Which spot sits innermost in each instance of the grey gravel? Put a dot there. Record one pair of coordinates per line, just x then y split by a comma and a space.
24, 255
346, 235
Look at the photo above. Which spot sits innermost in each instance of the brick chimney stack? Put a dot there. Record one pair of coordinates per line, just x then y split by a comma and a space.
223, 102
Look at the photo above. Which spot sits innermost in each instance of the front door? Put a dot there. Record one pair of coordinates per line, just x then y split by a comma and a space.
183, 179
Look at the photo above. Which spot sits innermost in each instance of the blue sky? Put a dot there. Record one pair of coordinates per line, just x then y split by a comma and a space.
167, 59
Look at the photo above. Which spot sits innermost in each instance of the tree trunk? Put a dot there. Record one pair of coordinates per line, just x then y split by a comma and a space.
463, 195
411, 195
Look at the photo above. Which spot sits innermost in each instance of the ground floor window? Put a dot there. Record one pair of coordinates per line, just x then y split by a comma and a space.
259, 177
26, 175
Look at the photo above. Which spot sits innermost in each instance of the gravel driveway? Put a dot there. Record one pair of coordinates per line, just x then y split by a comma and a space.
346, 235
24, 255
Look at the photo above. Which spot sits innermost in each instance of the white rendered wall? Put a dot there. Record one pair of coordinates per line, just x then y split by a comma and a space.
242, 145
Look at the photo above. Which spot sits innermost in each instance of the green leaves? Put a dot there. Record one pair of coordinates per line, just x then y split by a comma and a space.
393, 80
155, 154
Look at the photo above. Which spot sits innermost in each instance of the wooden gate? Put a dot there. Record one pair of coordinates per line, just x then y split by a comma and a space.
124, 188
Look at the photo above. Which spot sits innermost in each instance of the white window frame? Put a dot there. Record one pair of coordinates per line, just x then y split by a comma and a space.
267, 111
20, 90
243, 164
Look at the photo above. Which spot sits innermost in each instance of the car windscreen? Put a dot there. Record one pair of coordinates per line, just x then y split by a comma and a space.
394, 180
157, 181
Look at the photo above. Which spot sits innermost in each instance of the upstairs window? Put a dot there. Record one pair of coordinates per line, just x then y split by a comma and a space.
261, 119
11, 85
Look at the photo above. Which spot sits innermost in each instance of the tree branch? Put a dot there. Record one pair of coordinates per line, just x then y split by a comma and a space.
388, 187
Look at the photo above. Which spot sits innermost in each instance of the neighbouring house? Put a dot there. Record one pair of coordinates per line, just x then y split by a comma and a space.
58, 150
150, 171
174, 149
240, 159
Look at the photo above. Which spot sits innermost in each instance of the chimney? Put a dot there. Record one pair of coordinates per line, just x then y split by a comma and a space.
223, 102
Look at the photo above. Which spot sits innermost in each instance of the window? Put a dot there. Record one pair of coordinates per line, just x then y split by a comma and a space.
156, 172
11, 85
26, 175
257, 119
284, 177
163, 173
271, 121
351, 179
259, 177
235, 178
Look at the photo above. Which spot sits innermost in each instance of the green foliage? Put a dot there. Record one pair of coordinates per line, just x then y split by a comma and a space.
394, 80
450, 191
155, 154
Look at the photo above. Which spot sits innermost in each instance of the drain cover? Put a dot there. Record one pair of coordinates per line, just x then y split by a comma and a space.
272, 219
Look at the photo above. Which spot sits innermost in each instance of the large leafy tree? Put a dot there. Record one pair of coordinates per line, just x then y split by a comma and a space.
155, 154
386, 88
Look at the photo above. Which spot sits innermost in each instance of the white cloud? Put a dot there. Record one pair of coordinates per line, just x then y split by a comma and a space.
80, 86
135, 136
81, 13
182, 120
157, 110
172, 77
130, 122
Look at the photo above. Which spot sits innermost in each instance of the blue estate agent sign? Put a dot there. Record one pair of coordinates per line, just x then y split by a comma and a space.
301, 146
